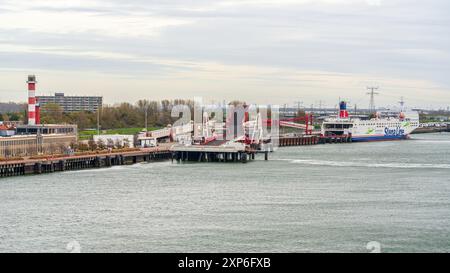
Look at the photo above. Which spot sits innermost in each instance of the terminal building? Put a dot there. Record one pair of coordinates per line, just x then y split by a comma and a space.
30, 140
30, 145
46, 129
72, 103
18, 140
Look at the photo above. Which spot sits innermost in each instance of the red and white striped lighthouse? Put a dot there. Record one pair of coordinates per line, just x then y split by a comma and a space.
31, 99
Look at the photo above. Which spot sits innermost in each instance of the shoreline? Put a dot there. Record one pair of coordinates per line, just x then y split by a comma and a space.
430, 130
79, 162
160, 153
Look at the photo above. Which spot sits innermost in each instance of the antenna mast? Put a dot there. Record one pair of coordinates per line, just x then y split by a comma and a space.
372, 94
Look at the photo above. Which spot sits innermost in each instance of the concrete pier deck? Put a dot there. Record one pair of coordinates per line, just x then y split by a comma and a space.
77, 162
208, 153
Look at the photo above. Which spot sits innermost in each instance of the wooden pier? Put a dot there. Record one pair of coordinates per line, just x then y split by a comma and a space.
50, 165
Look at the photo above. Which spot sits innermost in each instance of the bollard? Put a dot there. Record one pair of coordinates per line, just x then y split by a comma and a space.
38, 168
244, 157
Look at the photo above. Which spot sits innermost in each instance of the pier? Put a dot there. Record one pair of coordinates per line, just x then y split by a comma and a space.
301, 140
204, 153
80, 162
304, 140
432, 129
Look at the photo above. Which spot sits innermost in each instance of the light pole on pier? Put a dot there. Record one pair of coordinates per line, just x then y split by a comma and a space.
98, 120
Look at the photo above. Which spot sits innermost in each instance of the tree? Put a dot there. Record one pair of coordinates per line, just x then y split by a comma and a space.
126, 143
121, 115
74, 146
4, 117
101, 144
110, 143
92, 145
118, 144
165, 113
83, 119
83, 147
52, 114
13, 116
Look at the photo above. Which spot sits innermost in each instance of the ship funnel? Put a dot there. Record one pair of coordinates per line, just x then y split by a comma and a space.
343, 110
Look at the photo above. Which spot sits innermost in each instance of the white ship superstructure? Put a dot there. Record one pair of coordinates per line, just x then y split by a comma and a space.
381, 127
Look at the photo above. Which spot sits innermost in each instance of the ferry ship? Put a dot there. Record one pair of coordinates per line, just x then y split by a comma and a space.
384, 126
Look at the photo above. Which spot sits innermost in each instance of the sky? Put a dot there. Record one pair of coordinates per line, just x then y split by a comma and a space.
266, 51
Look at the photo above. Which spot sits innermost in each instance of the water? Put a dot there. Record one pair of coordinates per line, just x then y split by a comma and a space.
324, 198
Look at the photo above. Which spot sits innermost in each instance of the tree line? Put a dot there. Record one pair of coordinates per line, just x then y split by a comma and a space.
122, 115
12, 116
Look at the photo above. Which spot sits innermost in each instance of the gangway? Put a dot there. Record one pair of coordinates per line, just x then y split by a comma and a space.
171, 132
307, 126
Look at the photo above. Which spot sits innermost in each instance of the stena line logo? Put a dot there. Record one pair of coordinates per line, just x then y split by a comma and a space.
394, 132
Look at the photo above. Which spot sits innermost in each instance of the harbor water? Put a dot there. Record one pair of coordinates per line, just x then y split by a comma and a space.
322, 198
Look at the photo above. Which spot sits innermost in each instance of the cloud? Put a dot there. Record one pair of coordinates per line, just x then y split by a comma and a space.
93, 17
318, 50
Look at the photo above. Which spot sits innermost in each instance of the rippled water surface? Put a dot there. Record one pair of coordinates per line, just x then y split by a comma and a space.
324, 198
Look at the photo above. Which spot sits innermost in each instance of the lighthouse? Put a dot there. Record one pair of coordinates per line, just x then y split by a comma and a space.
33, 115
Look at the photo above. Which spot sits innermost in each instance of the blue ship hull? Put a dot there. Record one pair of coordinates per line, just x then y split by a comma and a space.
378, 138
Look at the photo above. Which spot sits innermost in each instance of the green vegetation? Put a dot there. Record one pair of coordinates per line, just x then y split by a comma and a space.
12, 116
123, 115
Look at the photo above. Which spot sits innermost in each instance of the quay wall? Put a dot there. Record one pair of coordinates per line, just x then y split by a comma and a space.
431, 130
304, 140
49, 165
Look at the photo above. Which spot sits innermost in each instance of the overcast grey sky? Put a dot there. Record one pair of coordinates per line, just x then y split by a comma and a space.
268, 51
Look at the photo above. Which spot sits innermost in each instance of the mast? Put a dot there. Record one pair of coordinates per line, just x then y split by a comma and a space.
372, 94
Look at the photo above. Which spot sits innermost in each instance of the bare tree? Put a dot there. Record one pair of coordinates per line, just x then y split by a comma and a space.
126, 143
110, 143
101, 144
118, 144
92, 144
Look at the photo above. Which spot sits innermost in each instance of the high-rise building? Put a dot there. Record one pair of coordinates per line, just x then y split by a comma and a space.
72, 103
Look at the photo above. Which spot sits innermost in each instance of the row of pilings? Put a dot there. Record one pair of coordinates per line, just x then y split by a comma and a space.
304, 140
28, 167
202, 156
335, 139
298, 141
